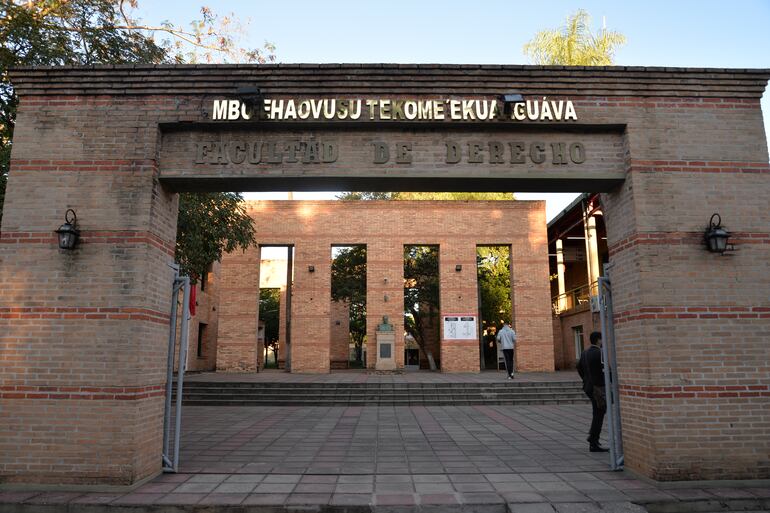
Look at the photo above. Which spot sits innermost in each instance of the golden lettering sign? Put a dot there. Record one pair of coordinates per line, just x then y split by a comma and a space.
393, 109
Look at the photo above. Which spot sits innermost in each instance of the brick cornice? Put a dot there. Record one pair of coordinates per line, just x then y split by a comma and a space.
699, 166
345, 79
92, 237
84, 313
682, 238
83, 393
691, 312
101, 165
694, 391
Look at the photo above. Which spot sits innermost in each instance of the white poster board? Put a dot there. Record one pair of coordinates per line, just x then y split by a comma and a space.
460, 327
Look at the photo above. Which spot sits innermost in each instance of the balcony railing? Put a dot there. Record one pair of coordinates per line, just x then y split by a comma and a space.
573, 298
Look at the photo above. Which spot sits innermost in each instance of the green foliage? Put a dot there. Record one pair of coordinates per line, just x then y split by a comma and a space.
366, 196
210, 224
349, 286
85, 32
494, 275
269, 313
457, 196
421, 292
460, 196
56, 33
574, 44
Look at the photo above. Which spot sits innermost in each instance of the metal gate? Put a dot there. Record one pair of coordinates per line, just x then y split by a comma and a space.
610, 373
171, 457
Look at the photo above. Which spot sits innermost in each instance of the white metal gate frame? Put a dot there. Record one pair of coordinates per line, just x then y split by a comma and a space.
610, 372
170, 457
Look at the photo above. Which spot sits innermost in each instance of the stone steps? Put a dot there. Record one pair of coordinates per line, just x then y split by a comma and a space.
382, 394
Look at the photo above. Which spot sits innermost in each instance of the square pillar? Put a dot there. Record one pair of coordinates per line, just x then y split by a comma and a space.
384, 296
458, 295
531, 300
311, 307
237, 347
84, 332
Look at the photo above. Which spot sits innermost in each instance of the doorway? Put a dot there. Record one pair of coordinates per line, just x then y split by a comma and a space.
348, 307
276, 271
421, 306
493, 271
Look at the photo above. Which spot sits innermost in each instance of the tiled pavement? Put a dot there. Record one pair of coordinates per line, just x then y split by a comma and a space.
525, 459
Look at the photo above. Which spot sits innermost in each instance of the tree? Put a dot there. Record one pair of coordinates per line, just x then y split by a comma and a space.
367, 196
574, 44
494, 283
84, 32
208, 225
349, 286
421, 294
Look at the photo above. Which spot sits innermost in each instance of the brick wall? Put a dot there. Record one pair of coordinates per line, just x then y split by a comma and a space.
313, 227
566, 336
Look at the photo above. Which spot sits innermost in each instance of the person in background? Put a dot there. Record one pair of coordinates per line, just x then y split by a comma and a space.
591, 370
507, 337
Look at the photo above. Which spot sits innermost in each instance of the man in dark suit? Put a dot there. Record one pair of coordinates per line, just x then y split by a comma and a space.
591, 371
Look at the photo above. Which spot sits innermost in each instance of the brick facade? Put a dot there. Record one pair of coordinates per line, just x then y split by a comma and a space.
456, 228
83, 333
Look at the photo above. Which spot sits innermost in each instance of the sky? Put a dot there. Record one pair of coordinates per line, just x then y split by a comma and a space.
685, 33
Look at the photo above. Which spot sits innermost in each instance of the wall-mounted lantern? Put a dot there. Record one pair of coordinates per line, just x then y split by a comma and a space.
459, 267
311, 268
716, 237
68, 232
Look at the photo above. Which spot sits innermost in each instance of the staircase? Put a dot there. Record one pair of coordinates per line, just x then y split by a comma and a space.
381, 394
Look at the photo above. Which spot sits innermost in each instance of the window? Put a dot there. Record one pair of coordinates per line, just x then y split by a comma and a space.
201, 335
577, 336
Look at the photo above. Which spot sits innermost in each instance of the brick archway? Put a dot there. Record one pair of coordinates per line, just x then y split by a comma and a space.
83, 332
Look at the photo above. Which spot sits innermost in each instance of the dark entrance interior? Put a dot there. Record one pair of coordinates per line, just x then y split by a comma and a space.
493, 269
421, 306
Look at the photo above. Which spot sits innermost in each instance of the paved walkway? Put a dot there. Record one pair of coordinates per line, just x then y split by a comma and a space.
433, 458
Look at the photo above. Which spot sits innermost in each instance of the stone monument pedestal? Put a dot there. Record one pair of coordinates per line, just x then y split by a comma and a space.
386, 344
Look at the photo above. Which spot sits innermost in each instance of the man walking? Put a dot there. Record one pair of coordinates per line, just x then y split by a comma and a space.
507, 337
591, 370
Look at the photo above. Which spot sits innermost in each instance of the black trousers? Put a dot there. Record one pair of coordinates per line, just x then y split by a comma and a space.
508, 356
597, 418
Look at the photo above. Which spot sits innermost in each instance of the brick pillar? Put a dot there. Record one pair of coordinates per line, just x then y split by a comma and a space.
384, 277
83, 333
310, 307
237, 348
458, 295
692, 326
532, 315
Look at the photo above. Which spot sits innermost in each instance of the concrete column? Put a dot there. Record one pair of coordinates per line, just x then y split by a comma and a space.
592, 254
560, 269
